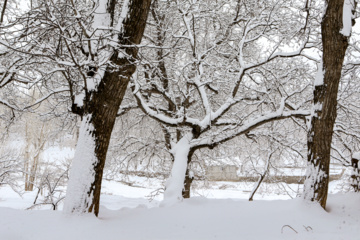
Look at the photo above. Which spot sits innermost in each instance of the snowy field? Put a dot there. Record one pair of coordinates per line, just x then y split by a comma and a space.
127, 214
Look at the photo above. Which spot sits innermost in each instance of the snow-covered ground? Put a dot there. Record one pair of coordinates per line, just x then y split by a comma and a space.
126, 214
130, 209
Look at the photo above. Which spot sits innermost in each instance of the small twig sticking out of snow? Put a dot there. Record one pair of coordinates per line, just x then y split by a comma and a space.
308, 228
261, 177
288, 227
155, 193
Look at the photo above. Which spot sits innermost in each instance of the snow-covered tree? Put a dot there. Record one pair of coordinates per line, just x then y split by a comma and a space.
91, 46
211, 76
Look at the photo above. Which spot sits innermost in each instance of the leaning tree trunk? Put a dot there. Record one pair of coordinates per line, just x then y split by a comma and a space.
325, 102
84, 188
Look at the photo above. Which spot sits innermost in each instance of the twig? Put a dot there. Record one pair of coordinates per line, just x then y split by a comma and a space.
288, 227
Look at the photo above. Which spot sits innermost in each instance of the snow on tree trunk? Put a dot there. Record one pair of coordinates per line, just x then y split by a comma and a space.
325, 102
82, 173
175, 184
348, 9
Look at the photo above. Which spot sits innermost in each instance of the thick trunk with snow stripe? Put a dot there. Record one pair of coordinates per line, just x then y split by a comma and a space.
81, 172
335, 43
99, 113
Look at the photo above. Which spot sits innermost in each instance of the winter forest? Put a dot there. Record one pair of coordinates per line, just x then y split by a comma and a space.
179, 119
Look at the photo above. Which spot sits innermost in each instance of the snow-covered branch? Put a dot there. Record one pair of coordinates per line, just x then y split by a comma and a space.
247, 126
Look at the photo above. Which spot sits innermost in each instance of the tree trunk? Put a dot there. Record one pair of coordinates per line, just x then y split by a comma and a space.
26, 169
99, 116
187, 184
188, 177
325, 102
175, 183
3, 12
355, 175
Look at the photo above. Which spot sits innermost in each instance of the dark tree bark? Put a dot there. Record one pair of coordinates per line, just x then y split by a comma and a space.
355, 175
103, 104
188, 178
196, 131
187, 184
325, 102
3, 12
